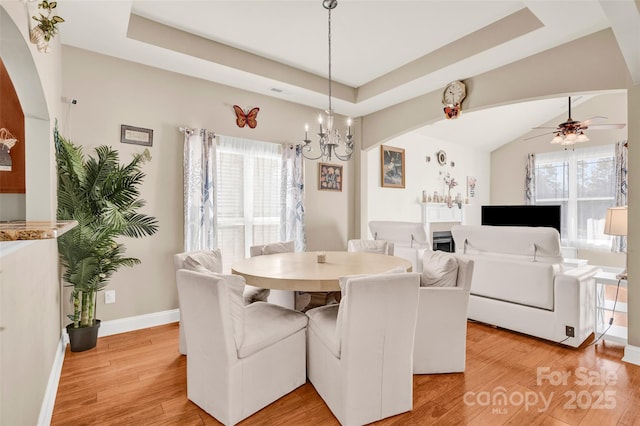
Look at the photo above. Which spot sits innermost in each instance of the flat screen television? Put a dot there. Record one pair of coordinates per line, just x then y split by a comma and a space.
522, 216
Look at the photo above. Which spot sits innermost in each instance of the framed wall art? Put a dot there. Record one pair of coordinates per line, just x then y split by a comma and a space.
329, 177
471, 186
392, 169
136, 135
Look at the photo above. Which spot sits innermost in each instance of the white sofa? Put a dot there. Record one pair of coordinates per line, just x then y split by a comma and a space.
520, 282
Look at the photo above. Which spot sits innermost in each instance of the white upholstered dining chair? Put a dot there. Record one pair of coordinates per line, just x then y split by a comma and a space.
210, 260
441, 328
241, 357
371, 246
359, 353
203, 260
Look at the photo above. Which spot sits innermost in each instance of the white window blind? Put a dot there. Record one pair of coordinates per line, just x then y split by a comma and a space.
248, 195
583, 183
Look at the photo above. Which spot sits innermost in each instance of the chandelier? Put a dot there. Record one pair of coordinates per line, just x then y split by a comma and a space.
330, 139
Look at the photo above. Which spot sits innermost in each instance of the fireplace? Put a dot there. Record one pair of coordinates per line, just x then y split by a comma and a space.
443, 241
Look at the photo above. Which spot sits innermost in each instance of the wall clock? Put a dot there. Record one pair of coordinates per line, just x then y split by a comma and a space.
452, 97
442, 157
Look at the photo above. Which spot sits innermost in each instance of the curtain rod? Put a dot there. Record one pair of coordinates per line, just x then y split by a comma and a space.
190, 131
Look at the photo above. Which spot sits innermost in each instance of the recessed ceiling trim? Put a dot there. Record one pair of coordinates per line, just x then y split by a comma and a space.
151, 32
503, 30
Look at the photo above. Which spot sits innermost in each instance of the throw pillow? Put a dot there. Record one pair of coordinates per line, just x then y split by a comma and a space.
210, 260
439, 269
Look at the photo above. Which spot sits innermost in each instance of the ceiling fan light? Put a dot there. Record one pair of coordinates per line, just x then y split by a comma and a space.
570, 139
557, 139
582, 137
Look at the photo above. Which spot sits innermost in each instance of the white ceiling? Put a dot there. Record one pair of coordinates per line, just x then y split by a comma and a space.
372, 40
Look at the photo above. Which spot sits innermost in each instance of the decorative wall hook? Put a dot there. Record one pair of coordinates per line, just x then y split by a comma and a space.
7, 141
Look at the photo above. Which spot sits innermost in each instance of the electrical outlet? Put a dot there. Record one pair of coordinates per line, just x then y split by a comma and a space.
109, 296
569, 331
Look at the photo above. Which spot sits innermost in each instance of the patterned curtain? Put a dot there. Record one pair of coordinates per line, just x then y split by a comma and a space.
199, 190
619, 244
292, 202
530, 180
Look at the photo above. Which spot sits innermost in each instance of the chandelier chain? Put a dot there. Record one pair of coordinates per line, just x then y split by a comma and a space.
330, 109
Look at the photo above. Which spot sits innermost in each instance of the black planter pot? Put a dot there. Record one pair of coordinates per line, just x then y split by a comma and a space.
83, 338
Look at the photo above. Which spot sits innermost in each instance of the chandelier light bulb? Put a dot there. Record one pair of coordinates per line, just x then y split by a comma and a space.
557, 138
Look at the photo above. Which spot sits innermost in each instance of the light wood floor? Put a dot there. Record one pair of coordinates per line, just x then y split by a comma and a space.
138, 378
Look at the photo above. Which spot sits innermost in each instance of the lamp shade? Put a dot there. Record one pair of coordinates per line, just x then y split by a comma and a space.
615, 222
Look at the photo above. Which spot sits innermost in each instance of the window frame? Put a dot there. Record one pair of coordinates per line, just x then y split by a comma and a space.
570, 226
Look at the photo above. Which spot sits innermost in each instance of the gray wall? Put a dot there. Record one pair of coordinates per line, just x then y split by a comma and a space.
111, 92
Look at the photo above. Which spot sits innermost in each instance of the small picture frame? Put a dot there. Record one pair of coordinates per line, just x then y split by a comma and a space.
471, 186
329, 177
392, 171
136, 135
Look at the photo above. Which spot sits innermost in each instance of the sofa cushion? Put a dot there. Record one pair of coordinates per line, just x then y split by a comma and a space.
539, 244
439, 269
522, 282
266, 324
210, 260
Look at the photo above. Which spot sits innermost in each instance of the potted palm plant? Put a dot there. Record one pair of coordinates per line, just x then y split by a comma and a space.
103, 197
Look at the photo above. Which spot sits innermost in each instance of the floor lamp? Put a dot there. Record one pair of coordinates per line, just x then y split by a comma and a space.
615, 223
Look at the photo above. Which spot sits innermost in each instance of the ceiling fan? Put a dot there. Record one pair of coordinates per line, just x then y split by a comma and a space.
571, 131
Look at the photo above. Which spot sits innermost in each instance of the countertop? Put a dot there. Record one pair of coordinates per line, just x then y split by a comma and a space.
34, 230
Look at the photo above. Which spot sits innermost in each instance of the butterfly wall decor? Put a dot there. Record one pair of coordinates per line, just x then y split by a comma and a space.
248, 118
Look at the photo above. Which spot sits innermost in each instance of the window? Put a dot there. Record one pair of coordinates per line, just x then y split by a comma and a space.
583, 183
248, 188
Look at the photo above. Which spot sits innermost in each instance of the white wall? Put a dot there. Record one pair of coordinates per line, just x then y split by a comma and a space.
383, 203
30, 290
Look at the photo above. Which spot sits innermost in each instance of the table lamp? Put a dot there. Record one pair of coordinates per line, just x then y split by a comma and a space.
615, 223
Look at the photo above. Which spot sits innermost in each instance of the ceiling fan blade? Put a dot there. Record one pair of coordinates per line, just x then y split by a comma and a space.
607, 126
589, 120
537, 136
545, 127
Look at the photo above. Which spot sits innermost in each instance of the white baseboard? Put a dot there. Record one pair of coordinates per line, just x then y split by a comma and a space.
46, 410
631, 354
107, 328
123, 325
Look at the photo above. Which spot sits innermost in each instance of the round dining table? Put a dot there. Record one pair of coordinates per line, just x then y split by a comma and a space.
303, 272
